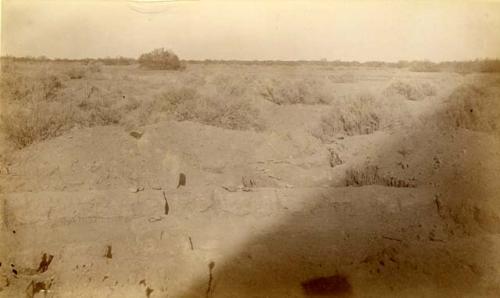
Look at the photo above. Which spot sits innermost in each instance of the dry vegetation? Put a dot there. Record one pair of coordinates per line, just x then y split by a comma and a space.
189, 104
409, 91
296, 91
160, 59
370, 175
42, 100
360, 114
384, 156
43, 105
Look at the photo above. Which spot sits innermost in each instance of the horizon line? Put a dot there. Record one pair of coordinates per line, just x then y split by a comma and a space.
324, 60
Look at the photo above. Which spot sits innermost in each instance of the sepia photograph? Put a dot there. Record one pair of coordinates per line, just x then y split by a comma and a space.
253, 149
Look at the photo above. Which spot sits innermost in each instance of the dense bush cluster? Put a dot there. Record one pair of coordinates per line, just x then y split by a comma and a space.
160, 59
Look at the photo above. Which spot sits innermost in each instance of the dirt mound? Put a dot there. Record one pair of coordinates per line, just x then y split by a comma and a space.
109, 157
472, 107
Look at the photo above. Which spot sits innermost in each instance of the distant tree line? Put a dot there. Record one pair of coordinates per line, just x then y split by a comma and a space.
478, 65
164, 59
106, 61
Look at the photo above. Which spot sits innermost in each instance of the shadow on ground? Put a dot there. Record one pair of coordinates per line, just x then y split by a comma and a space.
435, 240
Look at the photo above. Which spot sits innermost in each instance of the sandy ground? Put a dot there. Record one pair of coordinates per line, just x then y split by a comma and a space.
97, 212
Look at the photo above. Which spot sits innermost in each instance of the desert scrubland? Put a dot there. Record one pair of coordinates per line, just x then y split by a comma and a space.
301, 180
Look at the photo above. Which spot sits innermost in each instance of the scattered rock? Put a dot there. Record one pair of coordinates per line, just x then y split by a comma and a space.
136, 134
44, 264
36, 287
153, 219
136, 189
436, 163
182, 180
434, 237
191, 243
403, 165
334, 158
167, 207
149, 291
231, 188
247, 182
404, 152
108, 254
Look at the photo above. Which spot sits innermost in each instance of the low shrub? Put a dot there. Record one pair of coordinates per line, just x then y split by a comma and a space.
409, 91
96, 111
41, 115
16, 87
94, 67
76, 72
234, 86
188, 104
286, 92
355, 115
35, 121
340, 78
370, 175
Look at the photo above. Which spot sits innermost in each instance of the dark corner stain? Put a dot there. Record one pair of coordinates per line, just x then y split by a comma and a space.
108, 254
182, 180
330, 285
149, 291
44, 264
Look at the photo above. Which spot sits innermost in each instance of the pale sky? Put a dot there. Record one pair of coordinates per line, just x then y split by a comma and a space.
248, 30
